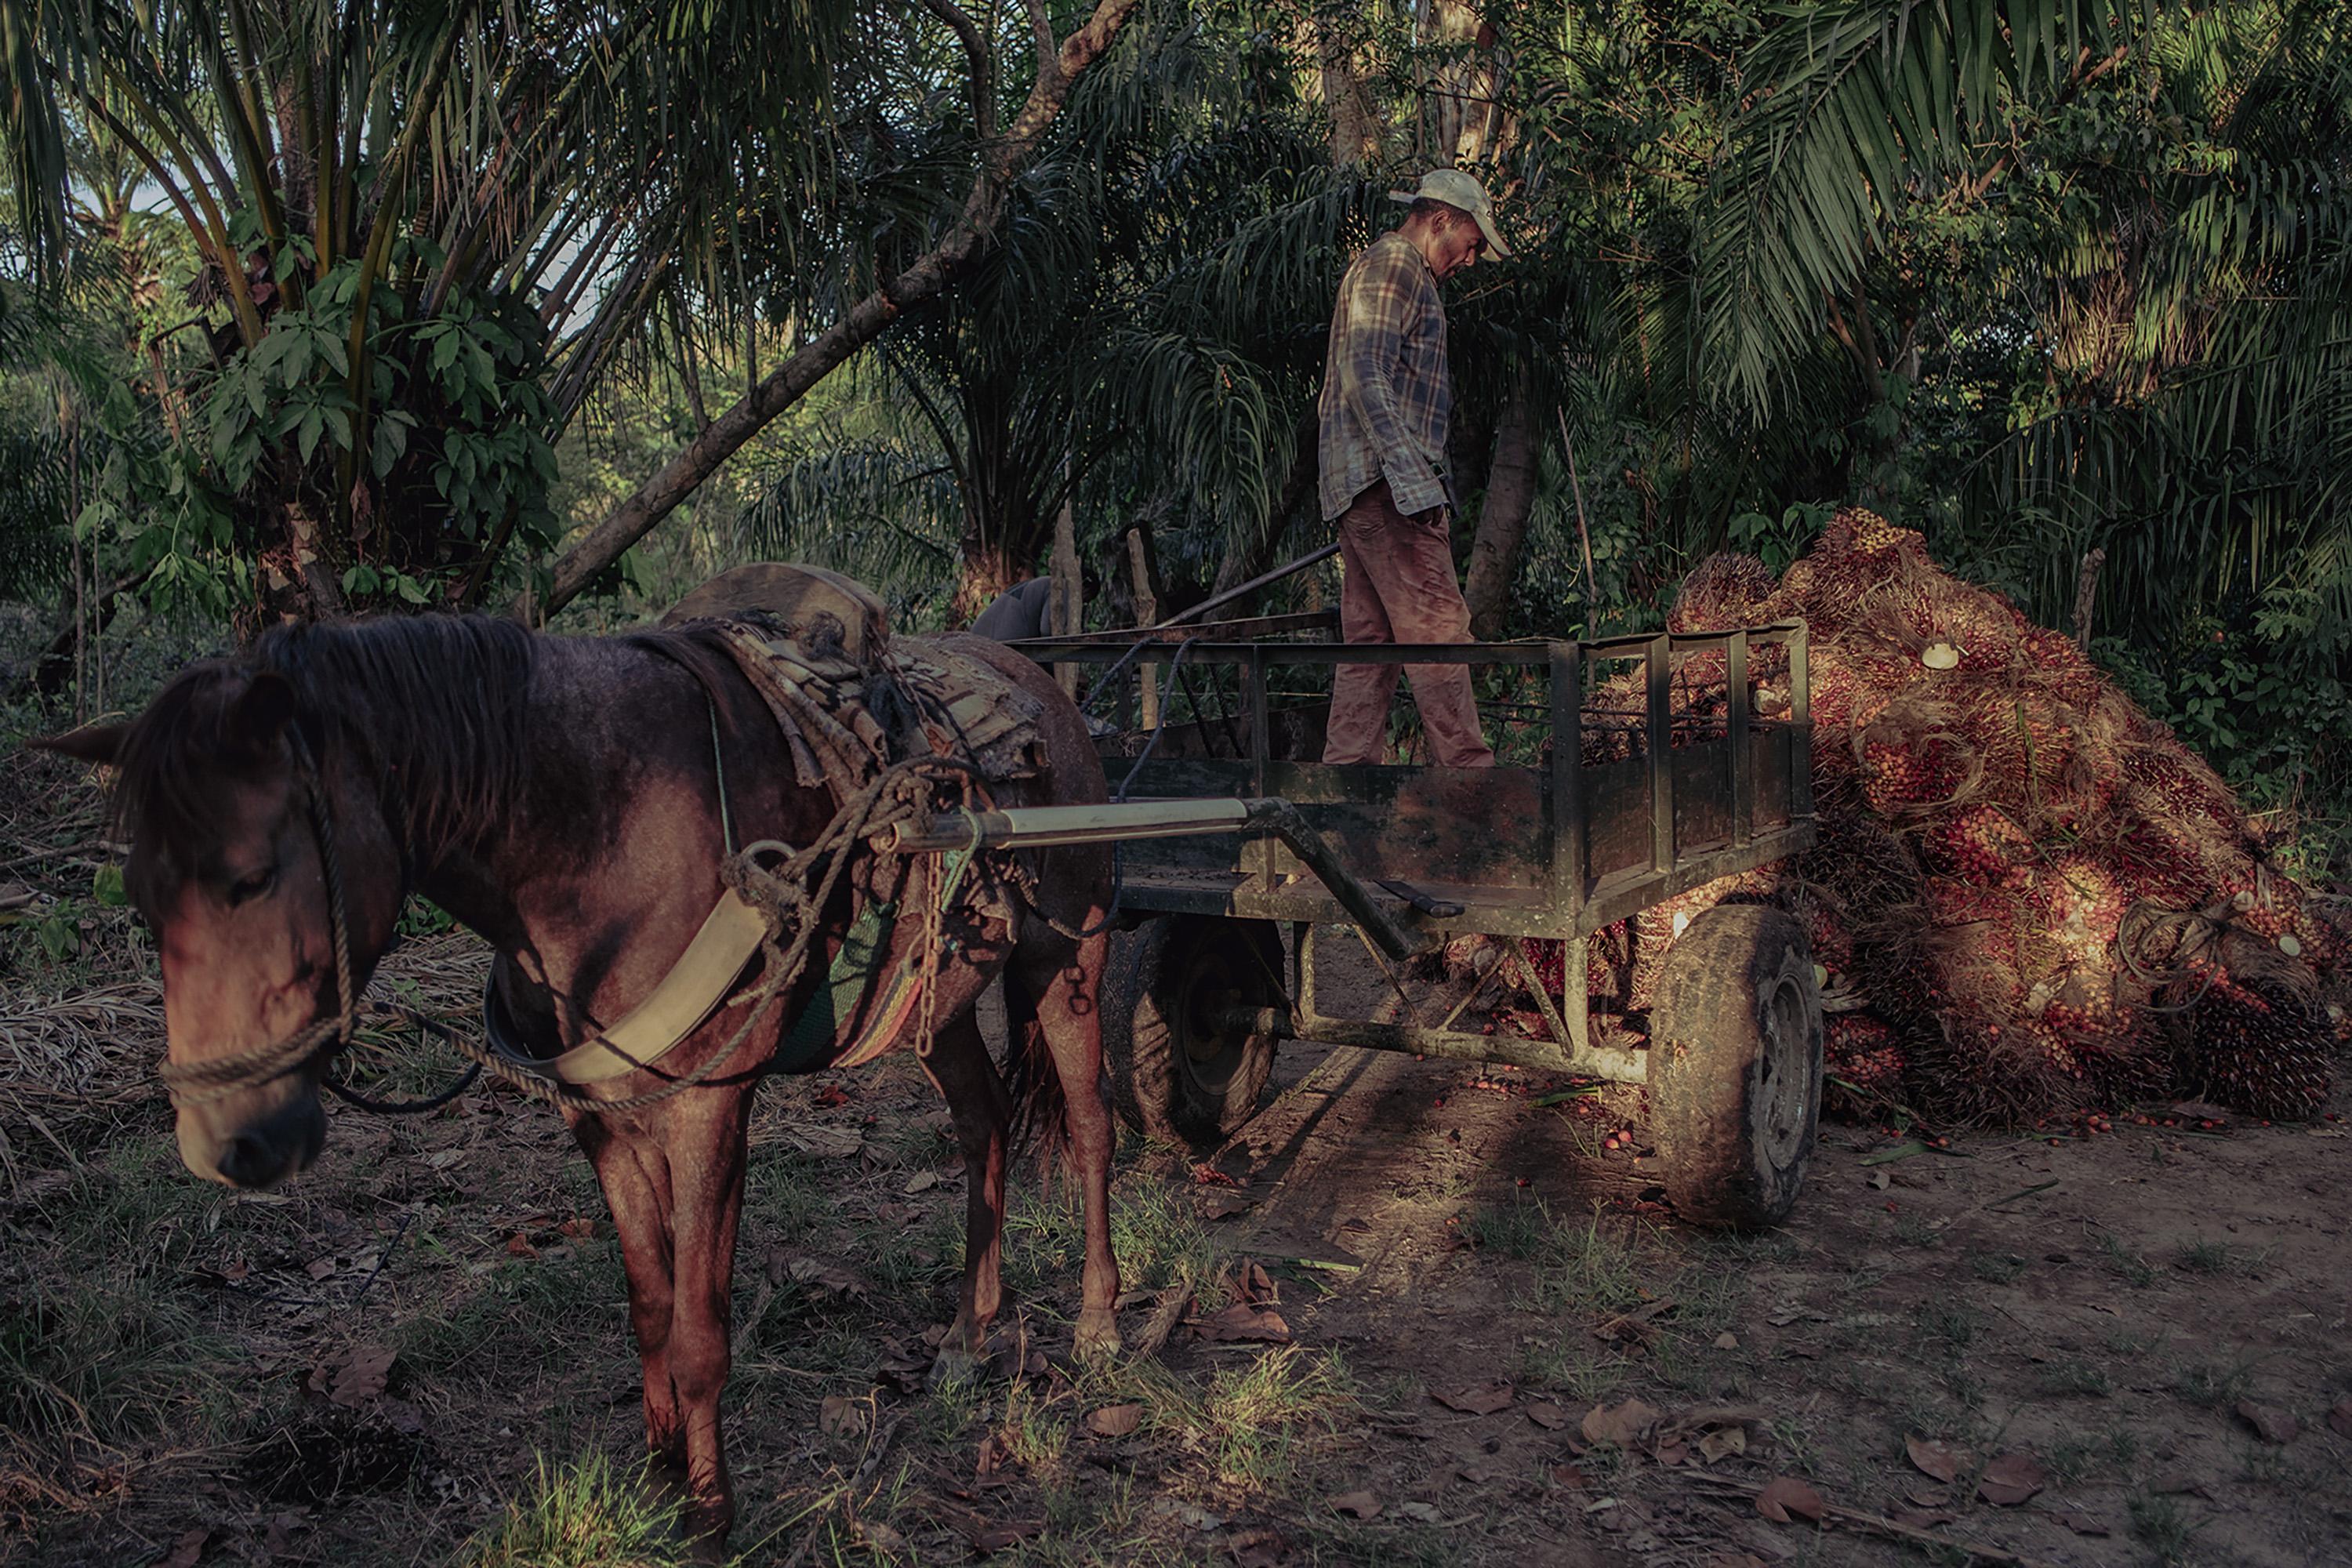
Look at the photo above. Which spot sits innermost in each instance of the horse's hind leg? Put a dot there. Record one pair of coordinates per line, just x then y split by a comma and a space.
960, 1069
1062, 979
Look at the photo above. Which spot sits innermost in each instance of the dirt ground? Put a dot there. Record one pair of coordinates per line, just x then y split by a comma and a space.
1412, 1317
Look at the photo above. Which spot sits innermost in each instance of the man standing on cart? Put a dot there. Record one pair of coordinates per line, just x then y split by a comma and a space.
1387, 392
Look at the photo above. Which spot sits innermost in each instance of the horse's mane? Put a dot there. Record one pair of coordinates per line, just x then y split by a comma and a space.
436, 702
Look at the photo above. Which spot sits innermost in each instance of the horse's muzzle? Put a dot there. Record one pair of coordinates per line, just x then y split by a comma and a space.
269, 1150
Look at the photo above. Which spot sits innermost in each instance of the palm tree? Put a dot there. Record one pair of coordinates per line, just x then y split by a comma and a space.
430, 231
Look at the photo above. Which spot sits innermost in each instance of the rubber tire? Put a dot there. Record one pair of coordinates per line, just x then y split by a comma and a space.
1736, 1067
1159, 1087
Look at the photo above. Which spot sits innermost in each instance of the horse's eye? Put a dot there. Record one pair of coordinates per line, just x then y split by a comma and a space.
253, 887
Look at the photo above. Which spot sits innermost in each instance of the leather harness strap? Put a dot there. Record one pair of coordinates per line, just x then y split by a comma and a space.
689, 994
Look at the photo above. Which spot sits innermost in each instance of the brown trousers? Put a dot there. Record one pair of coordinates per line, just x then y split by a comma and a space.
1399, 588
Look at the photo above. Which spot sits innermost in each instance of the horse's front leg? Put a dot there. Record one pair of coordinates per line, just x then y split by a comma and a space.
960, 1069
703, 1133
636, 1179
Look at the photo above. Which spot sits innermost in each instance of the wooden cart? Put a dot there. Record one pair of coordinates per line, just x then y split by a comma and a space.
1230, 830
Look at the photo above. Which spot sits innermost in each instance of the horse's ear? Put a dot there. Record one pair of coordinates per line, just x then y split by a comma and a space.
260, 714
97, 743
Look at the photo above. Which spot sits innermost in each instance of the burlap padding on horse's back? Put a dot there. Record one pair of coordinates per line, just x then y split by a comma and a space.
829, 616
842, 723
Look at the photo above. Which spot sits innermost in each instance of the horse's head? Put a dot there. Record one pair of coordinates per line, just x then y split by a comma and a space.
228, 864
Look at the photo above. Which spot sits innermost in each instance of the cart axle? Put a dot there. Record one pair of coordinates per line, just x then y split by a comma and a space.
1615, 1064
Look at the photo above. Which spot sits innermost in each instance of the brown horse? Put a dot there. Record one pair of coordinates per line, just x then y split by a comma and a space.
561, 796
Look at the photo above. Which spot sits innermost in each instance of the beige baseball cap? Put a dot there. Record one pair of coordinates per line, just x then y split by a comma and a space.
1456, 189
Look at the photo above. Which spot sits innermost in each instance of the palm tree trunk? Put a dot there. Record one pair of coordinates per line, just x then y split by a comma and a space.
1503, 521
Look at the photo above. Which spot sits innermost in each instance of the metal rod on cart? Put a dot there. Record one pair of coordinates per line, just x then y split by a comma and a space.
1252, 586
1042, 827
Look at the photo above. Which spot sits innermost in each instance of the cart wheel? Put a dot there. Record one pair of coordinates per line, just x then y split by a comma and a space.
1736, 1066
1180, 1070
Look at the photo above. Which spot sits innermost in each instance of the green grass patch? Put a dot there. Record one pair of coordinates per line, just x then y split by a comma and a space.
2163, 1526
2125, 1264
523, 1311
2213, 1385
1156, 1234
102, 1336
2077, 1377
582, 1515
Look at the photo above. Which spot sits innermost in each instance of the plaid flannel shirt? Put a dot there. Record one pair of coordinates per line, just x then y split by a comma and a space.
1386, 388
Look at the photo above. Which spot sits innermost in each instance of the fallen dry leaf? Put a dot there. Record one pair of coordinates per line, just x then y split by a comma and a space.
1921, 1519
999, 1534
1727, 1341
519, 1246
186, 1549
1621, 1424
995, 1454
1782, 1316
578, 1228
1723, 1442
881, 1539
921, 1182
320, 1267
2340, 1418
361, 1375
1418, 1512
840, 1416
1484, 1400
1548, 1417
2011, 1479
1362, 1504
1252, 1286
2274, 1425
825, 1141
2179, 1483
1940, 1460
819, 1274
1569, 1475
1785, 1497
1224, 1204
1258, 1549
2082, 1521
1115, 1420
1671, 1453
1251, 1324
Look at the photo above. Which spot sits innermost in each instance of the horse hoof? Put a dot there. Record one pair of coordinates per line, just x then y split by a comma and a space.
954, 1366
1097, 1335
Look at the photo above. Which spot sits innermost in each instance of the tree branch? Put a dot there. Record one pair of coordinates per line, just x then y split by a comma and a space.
983, 65
857, 326
1041, 26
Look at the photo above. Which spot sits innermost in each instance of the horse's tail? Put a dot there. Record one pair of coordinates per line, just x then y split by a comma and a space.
1040, 1107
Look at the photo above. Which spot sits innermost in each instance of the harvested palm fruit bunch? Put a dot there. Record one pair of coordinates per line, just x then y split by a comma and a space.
2028, 899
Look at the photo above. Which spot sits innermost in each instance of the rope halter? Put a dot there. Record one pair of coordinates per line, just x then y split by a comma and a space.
217, 1078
